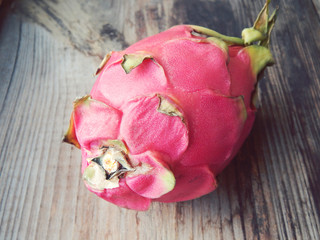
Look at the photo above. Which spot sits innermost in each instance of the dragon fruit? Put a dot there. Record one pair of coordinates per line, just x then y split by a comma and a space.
167, 114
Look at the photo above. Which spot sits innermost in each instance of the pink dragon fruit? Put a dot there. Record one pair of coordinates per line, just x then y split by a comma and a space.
167, 114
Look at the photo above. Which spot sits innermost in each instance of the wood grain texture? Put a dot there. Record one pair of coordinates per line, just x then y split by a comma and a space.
48, 53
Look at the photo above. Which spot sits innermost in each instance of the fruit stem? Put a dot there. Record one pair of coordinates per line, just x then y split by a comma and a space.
212, 33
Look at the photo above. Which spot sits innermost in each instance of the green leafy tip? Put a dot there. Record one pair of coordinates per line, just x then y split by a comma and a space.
262, 27
260, 31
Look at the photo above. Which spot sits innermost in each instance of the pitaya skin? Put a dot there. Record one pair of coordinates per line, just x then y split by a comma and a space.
168, 114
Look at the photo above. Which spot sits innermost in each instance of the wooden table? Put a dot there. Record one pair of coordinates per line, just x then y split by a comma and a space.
48, 53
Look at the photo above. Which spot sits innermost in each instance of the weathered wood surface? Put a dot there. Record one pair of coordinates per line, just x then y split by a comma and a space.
48, 53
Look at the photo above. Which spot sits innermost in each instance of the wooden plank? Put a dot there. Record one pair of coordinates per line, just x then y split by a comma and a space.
48, 53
